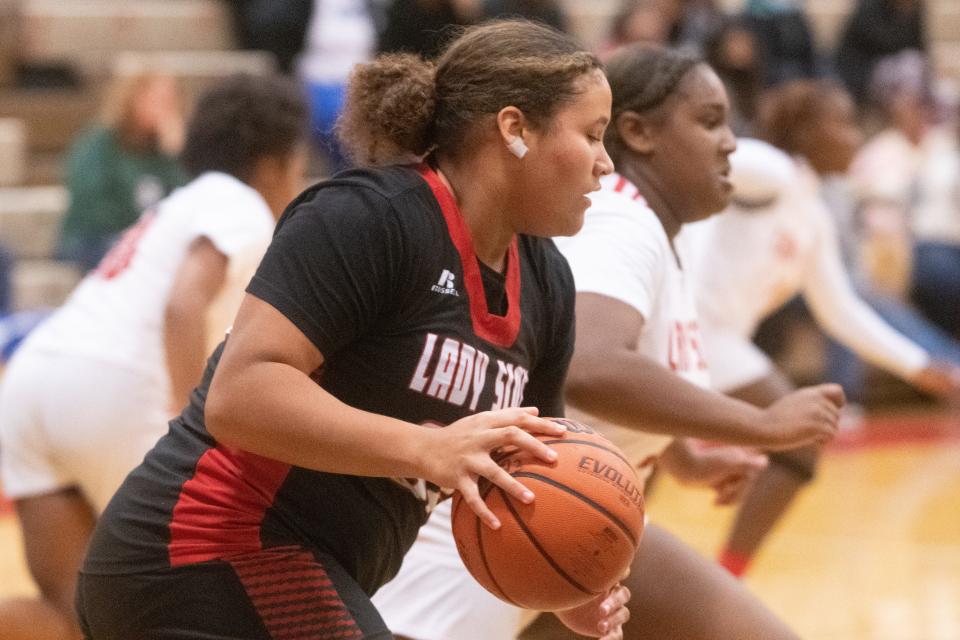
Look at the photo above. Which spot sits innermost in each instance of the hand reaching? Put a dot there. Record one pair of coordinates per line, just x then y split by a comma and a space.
806, 416
727, 470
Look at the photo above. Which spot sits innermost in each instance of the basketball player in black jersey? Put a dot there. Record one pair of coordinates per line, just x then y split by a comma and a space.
392, 301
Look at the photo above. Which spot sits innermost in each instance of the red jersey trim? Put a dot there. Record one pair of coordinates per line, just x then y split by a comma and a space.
221, 508
621, 187
499, 330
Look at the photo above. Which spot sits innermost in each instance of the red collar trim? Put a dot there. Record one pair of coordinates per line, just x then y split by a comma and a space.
499, 330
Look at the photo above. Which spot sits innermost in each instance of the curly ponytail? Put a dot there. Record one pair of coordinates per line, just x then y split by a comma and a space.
389, 109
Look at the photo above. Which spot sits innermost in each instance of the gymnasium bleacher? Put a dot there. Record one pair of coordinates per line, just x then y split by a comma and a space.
83, 42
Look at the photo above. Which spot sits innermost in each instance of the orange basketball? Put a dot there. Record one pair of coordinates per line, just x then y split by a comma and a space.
573, 542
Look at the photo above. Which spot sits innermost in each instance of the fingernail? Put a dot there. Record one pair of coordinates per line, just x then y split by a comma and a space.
605, 609
552, 454
604, 626
528, 496
494, 523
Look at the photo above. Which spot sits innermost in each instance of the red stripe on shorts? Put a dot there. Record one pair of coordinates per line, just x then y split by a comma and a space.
221, 508
294, 596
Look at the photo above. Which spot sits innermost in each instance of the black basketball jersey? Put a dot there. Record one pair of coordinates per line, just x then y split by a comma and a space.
376, 267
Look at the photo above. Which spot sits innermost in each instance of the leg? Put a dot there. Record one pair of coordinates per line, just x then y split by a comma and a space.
774, 488
680, 595
766, 502
56, 528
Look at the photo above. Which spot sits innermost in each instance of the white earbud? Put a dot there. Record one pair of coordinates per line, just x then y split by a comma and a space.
517, 147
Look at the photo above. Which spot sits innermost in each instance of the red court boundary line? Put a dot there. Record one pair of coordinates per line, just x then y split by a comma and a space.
900, 430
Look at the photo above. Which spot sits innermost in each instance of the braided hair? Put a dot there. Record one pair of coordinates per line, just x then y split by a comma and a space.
642, 78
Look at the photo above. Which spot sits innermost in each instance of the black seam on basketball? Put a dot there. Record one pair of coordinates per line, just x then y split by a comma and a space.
617, 521
589, 444
543, 552
486, 566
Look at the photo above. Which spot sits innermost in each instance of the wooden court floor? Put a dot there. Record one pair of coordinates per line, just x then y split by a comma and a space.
870, 552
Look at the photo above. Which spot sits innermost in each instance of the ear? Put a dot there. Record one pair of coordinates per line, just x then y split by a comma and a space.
637, 132
511, 124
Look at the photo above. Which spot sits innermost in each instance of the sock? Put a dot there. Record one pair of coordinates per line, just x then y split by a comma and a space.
733, 562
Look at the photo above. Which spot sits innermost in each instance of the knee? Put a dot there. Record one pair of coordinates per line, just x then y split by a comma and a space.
801, 463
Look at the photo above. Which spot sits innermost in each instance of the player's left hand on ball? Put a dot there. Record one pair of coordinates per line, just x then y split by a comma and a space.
459, 455
600, 618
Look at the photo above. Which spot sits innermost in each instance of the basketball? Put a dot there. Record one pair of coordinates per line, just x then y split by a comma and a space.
573, 542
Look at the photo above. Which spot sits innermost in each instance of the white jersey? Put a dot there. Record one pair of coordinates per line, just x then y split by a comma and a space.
116, 314
749, 262
624, 253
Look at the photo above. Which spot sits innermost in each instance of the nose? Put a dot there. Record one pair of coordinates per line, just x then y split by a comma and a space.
728, 144
604, 164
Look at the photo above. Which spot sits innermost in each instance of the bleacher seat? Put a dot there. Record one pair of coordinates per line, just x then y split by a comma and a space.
13, 151
90, 32
9, 26
196, 70
39, 284
30, 219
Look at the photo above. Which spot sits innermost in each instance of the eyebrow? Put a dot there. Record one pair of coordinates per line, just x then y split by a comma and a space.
714, 106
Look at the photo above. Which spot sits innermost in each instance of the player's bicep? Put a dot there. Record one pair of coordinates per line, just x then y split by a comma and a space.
262, 334
605, 324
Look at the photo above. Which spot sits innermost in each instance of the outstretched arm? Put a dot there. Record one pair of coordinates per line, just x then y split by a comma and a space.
612, 380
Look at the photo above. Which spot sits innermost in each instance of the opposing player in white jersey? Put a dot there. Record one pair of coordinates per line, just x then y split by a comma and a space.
778, 240
638, 372
91, 389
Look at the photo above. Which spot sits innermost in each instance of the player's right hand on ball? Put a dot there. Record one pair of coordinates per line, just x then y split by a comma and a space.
459, 454
806, 416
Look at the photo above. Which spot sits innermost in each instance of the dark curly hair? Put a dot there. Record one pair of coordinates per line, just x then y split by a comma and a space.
787, 110
400, 106
642, 78
242, 119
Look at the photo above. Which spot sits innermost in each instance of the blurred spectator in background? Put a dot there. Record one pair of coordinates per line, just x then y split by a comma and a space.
875, 29
341, 33
91, 389
546, 11
277, 26
640, 21
935, 223
423, 26
908, 177
732, 52
887, 168
785, 40
122, 165
697, 23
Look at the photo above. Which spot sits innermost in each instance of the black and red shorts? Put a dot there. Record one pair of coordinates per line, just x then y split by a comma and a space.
284, 593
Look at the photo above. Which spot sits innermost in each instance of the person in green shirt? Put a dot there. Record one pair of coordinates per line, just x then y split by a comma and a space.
122, 165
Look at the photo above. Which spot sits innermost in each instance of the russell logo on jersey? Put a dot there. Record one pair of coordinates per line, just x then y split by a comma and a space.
445, 284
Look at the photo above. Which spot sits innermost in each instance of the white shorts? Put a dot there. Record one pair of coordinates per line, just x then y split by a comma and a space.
434, 597
733, 359
75, 421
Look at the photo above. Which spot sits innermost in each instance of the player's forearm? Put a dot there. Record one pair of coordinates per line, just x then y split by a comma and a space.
634, 391
185, 345
276, 411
